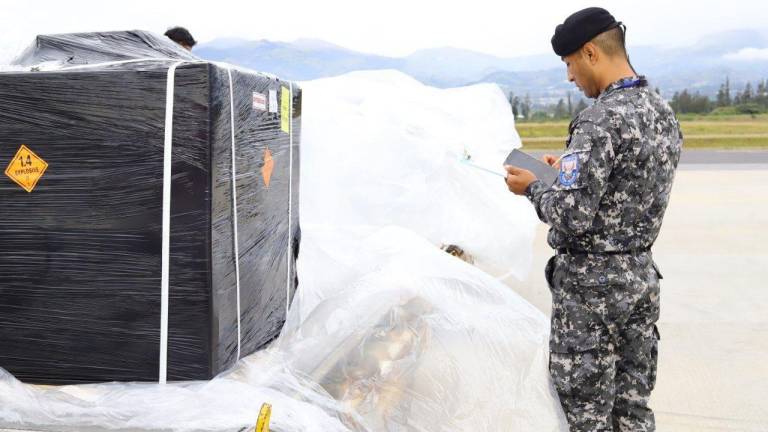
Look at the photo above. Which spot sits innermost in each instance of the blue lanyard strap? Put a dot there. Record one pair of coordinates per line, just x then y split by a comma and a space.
631, 82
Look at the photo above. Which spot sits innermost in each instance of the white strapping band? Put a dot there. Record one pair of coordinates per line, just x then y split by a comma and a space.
236, 246
289, 256
165, 254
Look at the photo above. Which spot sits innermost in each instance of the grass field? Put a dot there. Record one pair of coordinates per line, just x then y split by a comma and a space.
706, 132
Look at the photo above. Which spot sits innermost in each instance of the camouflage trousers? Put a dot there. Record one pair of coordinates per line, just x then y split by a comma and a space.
604, 341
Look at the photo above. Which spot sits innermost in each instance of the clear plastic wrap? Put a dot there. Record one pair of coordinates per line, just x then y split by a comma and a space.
414, 339
399, 163
89, 48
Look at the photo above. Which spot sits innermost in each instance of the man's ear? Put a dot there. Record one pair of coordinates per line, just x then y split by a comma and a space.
590, 53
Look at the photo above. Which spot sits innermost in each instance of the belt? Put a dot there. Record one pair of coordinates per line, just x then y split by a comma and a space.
569, 251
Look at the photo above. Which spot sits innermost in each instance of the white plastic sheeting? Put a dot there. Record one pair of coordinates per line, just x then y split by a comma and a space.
382, 149
387, 332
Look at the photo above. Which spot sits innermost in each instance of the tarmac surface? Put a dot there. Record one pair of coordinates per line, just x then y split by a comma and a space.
713, 253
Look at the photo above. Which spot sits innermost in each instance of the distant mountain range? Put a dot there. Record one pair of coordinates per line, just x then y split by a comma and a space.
739, 55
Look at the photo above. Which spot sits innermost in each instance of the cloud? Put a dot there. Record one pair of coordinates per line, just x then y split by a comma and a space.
748, 54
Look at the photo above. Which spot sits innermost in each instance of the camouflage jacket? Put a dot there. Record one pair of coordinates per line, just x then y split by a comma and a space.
616, 175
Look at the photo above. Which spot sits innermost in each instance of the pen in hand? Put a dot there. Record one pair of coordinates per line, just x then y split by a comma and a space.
546, 159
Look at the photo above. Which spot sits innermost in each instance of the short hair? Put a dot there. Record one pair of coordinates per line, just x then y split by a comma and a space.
611, 42
181, 36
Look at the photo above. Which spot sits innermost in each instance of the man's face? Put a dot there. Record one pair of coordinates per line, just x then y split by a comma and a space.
581, 73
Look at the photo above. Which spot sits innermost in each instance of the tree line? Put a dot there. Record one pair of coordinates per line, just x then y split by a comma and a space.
565, 108
750, 100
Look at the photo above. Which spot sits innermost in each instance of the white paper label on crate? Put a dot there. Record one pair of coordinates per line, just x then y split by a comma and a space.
259, 101
273, 101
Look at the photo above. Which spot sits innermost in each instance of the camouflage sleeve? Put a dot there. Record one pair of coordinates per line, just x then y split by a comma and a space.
571, 203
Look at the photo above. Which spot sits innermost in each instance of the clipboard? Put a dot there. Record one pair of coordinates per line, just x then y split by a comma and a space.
543, 172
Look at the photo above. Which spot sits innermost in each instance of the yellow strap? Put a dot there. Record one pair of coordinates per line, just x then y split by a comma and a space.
262, 424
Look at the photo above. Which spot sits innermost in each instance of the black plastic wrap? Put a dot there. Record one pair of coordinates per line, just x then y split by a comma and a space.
81, 254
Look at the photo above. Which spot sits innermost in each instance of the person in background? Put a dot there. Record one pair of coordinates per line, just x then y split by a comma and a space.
181, 36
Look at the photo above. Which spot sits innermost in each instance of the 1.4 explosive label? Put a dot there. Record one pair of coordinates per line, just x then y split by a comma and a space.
26, 168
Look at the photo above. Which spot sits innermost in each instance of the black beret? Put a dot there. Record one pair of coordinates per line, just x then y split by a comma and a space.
580, 28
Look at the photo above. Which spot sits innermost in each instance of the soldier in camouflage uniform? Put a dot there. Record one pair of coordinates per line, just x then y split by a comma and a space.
605, 211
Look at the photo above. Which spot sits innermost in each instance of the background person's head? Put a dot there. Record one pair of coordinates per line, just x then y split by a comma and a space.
181, 36
591, 44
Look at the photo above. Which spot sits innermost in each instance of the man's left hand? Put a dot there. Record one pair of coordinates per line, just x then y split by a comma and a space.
518, 179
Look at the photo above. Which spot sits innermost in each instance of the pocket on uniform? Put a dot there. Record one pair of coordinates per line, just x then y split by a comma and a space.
575, 326
580, 373
582, 317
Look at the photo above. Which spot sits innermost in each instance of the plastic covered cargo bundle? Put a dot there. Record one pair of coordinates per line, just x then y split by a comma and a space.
149, 208
387, 332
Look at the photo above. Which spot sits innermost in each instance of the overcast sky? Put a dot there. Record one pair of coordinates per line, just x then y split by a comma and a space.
388, 27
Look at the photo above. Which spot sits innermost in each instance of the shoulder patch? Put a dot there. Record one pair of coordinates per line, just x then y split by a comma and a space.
569, 170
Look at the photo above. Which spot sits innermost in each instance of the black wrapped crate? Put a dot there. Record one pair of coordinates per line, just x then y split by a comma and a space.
101, 166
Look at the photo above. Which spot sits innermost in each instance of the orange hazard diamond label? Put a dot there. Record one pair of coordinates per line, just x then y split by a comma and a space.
269, 165
26, 168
